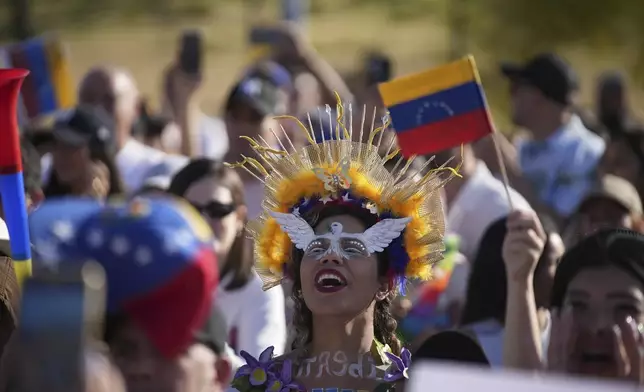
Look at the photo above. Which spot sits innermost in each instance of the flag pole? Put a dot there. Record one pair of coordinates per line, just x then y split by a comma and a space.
501, 161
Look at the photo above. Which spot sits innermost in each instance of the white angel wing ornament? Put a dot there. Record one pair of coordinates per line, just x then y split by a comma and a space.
379, 236
298, 230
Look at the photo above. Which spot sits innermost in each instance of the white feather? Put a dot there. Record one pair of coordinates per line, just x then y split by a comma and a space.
297, 229
379, 236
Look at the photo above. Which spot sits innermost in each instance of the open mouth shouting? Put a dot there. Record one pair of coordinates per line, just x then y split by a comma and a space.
596, 363
329, 281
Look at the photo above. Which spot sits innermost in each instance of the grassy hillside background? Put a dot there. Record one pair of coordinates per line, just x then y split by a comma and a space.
142, 36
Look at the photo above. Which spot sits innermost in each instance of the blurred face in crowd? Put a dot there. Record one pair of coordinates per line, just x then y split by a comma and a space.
242, 119
599, 299
339, 284
69, 162
524, 98
603, 213
216, 204
115, 91
146, 370
611, 97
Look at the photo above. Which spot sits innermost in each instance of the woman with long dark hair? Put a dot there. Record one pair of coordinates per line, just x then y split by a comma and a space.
348, 234
489, 288
255, 318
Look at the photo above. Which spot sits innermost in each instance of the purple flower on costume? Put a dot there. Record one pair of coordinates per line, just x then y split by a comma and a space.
257, 369
284, 381
399, 366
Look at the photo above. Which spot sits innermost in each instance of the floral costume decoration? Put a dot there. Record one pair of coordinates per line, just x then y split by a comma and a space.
341, 171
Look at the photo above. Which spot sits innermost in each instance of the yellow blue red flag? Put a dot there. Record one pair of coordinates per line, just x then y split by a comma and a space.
437, 109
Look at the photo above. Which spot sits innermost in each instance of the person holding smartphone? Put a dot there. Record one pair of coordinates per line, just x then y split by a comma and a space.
196, 134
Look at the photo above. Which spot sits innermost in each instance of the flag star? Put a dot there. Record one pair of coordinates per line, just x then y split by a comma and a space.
371, 207
143, 256
64, 230
48, 254
180, 240
326, 199
95, 238
120, 246
346, 197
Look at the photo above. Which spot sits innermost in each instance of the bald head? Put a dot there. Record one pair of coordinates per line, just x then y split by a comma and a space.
114, 90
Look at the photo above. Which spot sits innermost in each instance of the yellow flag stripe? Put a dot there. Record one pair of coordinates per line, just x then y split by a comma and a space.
60, 74
425, 83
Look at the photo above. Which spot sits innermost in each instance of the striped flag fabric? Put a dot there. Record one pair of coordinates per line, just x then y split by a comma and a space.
49, 86
438, 109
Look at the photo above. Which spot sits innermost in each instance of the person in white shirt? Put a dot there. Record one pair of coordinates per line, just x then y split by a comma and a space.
114, 90
256, 319
472, 203
475, 200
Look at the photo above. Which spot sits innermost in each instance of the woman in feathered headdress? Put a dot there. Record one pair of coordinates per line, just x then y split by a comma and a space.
349, 234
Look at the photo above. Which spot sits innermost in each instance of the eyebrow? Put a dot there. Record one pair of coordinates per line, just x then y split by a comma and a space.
623, 295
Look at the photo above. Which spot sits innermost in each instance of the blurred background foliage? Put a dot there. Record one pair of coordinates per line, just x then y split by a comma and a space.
592, 34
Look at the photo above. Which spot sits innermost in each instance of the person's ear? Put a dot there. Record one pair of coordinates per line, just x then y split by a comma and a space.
223, 371
242, 214
638, 224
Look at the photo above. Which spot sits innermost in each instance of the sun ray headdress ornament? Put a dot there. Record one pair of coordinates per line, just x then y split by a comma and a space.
339, 171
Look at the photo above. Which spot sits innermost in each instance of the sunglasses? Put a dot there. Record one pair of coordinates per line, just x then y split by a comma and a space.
214, 209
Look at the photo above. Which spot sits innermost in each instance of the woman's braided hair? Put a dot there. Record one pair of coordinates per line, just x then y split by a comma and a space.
384, 323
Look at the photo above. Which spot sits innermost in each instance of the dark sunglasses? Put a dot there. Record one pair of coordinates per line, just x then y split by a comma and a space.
215, 209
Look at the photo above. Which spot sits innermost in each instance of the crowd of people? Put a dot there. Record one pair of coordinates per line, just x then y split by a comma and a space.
327, 286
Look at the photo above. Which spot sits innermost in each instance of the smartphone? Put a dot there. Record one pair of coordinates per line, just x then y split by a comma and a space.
191, 52
378, 68
60, 313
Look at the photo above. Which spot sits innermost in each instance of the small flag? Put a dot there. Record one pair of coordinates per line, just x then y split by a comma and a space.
437, 109
49, 87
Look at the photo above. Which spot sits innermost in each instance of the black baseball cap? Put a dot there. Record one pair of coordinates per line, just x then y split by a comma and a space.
547, 72
83, 126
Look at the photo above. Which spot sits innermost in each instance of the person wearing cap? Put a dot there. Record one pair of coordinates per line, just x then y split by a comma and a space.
560, 158
248, 111
612, 106
82, 160
612, 203
161, 327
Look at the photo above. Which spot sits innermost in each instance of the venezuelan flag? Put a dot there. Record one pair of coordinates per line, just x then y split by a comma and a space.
437, 109
49, 87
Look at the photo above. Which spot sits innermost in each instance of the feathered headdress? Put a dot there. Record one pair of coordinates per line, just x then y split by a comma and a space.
343, 171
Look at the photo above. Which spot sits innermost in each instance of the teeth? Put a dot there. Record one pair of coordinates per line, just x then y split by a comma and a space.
328, 276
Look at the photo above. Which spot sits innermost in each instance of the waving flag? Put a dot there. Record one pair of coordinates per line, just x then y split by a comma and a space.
437, 109
49, 86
